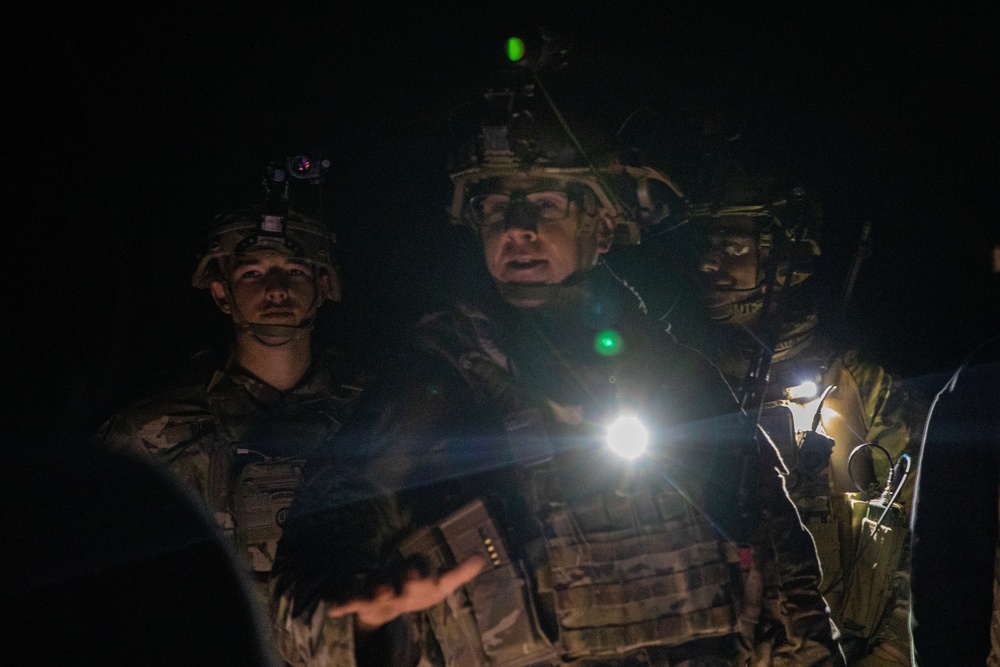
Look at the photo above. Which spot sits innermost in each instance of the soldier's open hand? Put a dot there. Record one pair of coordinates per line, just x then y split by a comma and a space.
417, 593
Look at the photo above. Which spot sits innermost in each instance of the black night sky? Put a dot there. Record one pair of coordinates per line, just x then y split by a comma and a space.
129, 128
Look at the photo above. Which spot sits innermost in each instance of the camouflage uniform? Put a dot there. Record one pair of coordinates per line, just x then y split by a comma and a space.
240, 444
493, 423
867, 406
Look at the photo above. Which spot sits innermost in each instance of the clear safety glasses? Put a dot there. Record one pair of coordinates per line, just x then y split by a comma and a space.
541, 206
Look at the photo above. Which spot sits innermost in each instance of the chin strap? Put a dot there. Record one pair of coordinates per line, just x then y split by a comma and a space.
572, 290
567, 292
740, 308
265, 334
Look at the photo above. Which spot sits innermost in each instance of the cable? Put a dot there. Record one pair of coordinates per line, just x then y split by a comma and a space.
850, 471
847, 569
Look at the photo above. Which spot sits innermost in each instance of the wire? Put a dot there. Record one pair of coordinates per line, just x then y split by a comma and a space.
850, 470
847, 569
818, 416
576, 143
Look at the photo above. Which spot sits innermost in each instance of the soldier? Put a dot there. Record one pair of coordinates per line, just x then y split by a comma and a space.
749, 252
239, 436
148, 579
955, 618
474, 516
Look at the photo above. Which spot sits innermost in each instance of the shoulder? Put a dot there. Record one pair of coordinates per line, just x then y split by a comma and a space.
160, 422
866, 373
461, 326
874, 383
976, 383
888, 401
981, 366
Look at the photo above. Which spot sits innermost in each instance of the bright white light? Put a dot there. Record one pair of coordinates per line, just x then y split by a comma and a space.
803, 414
804, 390
628, 438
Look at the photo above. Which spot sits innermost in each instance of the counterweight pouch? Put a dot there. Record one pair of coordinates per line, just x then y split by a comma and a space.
874, 561
261, 496
492, 619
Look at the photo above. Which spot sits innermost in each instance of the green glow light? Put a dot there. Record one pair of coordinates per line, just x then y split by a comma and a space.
515, 49
608, 343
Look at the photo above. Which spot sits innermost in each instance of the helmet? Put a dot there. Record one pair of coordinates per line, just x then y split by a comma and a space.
292, 235
788, 222
519, 137
250, 229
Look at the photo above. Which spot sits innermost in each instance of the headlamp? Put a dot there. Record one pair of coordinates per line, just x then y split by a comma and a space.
628, 437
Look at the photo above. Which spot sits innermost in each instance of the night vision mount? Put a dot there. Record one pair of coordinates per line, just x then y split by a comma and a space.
278, 176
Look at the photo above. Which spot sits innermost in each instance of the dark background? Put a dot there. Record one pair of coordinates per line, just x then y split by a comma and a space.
128, 128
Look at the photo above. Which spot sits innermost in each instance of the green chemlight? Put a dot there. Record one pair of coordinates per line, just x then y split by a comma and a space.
608, 343
515, 49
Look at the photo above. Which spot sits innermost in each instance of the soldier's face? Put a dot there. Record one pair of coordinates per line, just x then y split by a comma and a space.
727, 265
533, 236
269, 288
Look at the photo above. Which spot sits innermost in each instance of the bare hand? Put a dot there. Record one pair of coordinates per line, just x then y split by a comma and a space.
417, 593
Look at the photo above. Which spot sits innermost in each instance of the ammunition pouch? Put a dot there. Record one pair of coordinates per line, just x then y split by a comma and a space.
808, 480
262, 494
492, 619
872, 560
806, 456
640, 570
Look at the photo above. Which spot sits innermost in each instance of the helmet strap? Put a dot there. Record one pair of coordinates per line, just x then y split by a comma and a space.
275, 335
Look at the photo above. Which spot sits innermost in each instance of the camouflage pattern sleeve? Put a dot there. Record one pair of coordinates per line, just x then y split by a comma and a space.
894, 413
339, 543
312, 640
176, 429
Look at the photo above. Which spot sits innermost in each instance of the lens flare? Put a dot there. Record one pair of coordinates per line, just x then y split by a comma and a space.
628, 437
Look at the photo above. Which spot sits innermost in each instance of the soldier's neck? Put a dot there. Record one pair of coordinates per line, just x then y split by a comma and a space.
281, 366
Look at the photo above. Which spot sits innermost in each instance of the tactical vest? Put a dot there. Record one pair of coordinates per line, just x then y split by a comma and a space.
634, 576
257, 459
637, 567
617, 577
